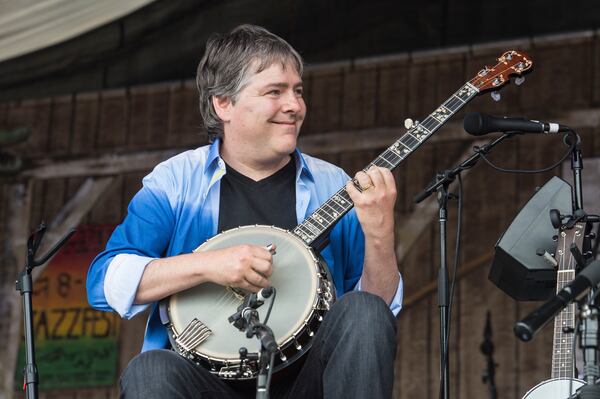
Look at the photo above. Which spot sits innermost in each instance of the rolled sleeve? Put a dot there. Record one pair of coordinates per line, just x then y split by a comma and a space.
396, 303
121, 282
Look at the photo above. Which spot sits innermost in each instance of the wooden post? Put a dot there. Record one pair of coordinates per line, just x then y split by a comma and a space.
13, 260
72, 213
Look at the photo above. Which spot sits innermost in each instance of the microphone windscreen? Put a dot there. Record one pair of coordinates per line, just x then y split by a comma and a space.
474, 124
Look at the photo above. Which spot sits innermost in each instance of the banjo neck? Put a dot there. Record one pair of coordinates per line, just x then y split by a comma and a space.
562, 356
314, 230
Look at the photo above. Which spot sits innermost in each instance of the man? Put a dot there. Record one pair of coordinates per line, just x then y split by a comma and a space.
251, 101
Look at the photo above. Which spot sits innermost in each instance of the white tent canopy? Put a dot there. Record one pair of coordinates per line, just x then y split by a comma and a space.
30, 25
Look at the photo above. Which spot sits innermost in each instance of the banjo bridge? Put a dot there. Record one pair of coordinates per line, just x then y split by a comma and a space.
193, 335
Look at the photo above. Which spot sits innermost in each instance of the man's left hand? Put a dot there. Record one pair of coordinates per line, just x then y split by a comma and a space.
375, 201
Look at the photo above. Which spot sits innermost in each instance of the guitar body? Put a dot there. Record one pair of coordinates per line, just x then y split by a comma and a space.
556, 388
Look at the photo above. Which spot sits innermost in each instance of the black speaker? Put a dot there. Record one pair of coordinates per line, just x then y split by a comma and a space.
517, 269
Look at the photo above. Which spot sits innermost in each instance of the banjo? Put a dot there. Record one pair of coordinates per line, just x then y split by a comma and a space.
197, 319
562, 382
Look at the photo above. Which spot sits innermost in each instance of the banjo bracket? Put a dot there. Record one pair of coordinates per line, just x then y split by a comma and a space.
193, 335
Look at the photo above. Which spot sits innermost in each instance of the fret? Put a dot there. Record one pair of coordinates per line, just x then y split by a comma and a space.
422, 126
385, 160
388, 153
334, 212
308, 223
414, 137
430, 124
303, 233
407, 149
398, 153
314, 220
323, 215
442, 113
451, 101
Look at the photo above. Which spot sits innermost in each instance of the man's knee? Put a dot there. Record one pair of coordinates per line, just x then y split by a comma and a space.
364, 305
363, 313
151, 367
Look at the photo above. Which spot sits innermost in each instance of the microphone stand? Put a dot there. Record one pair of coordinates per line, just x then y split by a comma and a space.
247, 319
24, 285
441, 185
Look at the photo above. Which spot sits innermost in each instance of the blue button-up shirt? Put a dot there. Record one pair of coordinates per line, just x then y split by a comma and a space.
177, 209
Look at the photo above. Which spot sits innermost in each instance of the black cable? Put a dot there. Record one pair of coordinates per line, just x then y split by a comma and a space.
272, 360
270, 372
270, 305
596, 243
573, 349
504, 170
453, 284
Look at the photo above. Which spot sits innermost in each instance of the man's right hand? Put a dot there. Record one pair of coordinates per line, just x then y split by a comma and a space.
244, 266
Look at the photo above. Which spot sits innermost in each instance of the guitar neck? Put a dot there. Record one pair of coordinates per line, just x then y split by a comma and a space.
562, 348
320, 222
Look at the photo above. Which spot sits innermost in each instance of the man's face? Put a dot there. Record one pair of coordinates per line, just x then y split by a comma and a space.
266, 117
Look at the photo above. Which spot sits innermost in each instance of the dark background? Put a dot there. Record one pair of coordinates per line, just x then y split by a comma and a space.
165, 40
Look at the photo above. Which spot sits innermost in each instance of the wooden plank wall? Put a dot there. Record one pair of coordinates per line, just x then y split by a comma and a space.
344, 97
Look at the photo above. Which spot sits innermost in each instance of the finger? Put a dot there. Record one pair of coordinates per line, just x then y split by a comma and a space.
376, 176
255, 279
352, 191
262, 267
363, 179
250, 287
388, 178
261, 253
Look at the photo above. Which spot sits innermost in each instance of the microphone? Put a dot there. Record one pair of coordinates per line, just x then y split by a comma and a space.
263, 294
478, 124
589, 277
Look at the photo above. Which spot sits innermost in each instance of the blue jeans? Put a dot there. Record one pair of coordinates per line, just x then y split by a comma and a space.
352, 357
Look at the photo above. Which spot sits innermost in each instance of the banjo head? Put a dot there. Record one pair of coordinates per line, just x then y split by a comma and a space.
556, 388
295, 277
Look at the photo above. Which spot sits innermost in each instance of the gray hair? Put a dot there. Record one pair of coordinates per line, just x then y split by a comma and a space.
231, 60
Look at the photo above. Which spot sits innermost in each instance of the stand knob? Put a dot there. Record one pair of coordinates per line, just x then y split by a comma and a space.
555, 218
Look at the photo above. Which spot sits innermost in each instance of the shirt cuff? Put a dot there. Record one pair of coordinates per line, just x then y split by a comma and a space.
121, 283
396, 303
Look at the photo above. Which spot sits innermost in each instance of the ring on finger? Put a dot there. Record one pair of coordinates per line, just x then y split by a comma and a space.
360, 187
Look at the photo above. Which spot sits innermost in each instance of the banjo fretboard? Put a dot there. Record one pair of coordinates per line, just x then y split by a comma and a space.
327, 215
315, 228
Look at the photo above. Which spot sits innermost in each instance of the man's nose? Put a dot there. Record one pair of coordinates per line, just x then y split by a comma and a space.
293, 103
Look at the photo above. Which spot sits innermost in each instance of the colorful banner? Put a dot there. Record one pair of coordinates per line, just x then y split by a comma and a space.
76, 346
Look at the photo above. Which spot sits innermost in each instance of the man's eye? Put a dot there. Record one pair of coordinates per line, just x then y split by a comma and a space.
299, 92
274, 92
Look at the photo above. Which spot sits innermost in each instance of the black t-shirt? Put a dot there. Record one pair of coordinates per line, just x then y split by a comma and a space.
270, 201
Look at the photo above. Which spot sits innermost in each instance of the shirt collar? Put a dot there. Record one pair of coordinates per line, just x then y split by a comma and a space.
214, 157
302, 166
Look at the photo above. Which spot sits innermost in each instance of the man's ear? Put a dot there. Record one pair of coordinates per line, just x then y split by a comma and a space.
222, 106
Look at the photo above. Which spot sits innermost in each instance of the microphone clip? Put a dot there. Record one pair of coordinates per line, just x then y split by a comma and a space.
246, 313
